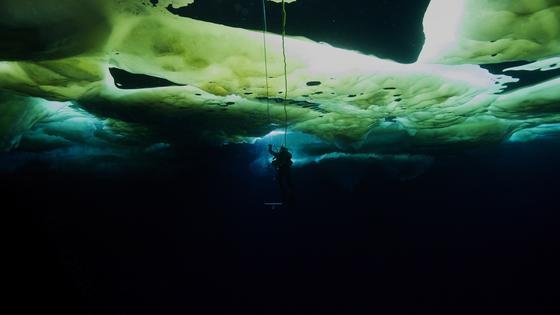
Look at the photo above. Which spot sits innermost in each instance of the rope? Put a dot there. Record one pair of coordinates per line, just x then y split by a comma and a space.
265, 30
285, 73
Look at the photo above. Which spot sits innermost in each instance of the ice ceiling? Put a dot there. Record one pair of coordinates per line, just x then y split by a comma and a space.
56, 86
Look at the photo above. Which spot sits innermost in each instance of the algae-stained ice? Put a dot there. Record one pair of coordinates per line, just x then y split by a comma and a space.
351, 101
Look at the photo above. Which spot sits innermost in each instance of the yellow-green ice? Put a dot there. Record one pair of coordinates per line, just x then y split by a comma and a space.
356, 102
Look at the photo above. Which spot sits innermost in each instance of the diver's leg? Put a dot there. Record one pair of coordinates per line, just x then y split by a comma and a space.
287, 193
289, 179
280, 180
290, 186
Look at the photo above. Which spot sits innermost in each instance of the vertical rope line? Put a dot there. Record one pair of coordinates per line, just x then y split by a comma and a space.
285, 72
265, 30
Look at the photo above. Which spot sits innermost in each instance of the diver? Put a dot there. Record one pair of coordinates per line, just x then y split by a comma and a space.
282, 162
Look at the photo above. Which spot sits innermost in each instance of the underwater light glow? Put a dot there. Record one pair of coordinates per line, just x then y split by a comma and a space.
275, 133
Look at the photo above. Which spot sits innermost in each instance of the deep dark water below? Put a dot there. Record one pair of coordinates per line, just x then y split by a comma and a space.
476, 233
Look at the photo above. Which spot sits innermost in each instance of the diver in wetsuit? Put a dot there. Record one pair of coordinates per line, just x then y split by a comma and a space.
282, 161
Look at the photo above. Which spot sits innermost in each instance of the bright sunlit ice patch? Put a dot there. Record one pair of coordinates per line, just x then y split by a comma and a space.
442, 24
541, 65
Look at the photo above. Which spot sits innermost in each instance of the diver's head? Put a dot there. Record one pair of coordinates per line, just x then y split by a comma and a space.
283, 148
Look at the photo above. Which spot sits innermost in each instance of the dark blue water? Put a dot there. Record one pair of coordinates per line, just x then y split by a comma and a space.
477, 232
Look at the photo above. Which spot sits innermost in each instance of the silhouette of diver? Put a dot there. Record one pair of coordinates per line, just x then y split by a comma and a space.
282, 161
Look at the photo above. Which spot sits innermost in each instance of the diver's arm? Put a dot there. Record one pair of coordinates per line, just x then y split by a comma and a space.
271, 151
